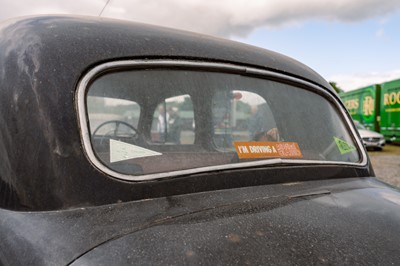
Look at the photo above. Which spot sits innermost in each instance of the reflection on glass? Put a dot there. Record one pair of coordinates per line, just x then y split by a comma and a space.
240, 115
173, 121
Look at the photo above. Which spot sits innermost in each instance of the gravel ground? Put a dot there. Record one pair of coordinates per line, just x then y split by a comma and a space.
386, 164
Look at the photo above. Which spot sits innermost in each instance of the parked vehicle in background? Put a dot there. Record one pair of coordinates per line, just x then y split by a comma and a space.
363, 105
390, 110
371, 139
129, 144
376, 107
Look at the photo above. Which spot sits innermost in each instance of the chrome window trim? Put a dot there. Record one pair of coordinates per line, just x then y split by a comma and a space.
105, 67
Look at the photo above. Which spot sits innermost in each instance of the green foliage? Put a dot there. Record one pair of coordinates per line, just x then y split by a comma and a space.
335, 87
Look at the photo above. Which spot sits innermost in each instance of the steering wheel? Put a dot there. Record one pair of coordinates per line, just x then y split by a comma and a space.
132, 137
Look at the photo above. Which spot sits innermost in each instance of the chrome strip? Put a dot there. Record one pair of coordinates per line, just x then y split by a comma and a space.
83, 123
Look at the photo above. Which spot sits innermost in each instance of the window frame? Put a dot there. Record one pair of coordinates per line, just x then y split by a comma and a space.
125, 65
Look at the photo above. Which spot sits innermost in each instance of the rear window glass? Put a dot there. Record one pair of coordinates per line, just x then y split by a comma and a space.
164, 120
173, 121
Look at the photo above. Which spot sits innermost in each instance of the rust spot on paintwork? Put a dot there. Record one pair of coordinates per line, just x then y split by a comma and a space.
234, 238
260, 233
323, 260
189, 253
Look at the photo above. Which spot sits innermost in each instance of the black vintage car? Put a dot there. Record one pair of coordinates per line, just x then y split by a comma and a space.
124, 143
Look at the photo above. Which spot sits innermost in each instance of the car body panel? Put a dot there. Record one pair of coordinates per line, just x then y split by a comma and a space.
313, 221
304, 232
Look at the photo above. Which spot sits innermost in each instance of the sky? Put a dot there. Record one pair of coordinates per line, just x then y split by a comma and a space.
354, 43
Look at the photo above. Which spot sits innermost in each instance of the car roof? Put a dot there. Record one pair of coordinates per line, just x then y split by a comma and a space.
92, 39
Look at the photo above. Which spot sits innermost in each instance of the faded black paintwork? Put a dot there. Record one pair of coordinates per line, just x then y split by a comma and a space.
340, 221
321, 219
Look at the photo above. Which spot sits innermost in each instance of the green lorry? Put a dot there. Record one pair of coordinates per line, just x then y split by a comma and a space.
377, 107
390, 110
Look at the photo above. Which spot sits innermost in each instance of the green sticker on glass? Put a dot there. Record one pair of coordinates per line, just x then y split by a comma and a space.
343, 146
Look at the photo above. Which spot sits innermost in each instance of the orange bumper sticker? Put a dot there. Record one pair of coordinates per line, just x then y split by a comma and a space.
251, 150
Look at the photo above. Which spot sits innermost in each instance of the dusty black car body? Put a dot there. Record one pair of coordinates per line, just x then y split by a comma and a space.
58, 207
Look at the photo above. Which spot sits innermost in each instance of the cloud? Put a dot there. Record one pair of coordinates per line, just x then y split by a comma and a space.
359, 80
227, 18
10, 9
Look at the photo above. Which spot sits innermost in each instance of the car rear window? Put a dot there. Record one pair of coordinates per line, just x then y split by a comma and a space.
143, 122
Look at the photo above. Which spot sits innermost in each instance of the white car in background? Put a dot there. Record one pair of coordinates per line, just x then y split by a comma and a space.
371, 139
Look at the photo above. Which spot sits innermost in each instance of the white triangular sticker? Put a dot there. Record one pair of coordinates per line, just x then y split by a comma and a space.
120, 151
